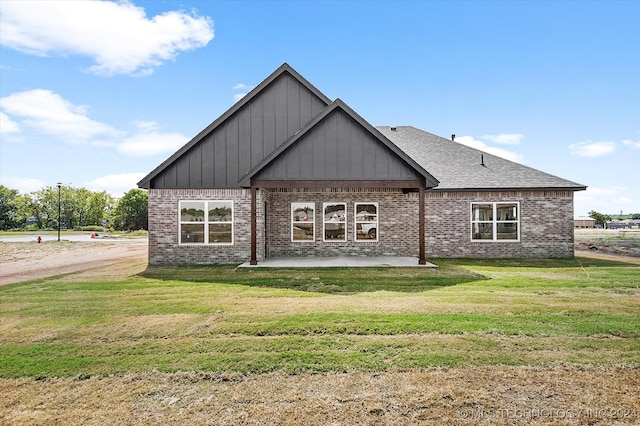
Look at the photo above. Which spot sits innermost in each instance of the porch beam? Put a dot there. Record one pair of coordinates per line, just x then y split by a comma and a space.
254, 227
421, 260
410, 183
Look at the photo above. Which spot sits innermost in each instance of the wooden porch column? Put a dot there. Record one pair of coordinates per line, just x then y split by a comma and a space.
421, 259
254, 227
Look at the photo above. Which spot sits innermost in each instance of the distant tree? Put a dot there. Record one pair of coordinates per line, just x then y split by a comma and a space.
601, 219
635, 216
131, 211
78, 207
90, 208
46, 207
8, 211
24, 208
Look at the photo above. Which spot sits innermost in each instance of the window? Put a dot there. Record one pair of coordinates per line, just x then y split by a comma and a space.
216, 227
495, 221
335, 221
303, 221
366, 220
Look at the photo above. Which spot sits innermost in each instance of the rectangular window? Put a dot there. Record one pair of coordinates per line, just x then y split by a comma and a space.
366, 220
216, 227
495, 221
334, 221
303, 221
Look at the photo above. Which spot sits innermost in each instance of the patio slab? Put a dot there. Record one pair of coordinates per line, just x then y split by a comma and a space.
339, 262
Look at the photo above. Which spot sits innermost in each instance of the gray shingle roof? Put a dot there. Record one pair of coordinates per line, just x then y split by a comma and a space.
458, 167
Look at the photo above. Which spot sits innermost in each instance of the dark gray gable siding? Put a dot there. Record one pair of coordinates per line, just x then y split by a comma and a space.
243, 139
337, 148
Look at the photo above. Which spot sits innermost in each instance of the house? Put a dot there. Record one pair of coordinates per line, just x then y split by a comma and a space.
623, 224
584, 222
286, 171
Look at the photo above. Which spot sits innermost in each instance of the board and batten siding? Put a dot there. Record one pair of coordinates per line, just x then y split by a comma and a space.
337, 148
243, 140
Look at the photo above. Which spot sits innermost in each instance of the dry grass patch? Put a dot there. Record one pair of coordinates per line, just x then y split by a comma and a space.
473, 395
119, 272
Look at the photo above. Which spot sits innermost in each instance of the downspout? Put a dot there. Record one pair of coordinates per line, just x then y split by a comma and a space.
421, 260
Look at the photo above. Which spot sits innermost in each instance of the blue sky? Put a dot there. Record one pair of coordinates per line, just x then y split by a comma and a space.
97, 94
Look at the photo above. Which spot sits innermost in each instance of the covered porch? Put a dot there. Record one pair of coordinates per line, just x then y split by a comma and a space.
401, 238
341, 262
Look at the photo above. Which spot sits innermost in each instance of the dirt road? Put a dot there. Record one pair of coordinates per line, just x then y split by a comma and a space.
29, 261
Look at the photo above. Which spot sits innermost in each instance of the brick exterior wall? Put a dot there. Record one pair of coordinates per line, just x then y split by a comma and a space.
164, 246
397, 223
546, 225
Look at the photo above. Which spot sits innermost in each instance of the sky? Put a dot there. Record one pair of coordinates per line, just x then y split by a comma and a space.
96, 94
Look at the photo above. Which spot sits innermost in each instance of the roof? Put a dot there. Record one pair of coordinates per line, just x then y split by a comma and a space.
238, 153
459, 167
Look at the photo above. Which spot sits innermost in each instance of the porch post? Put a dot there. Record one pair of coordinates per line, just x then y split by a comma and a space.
254, 258
421, 259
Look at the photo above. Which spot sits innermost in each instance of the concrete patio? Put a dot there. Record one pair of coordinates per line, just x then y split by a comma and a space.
339, 262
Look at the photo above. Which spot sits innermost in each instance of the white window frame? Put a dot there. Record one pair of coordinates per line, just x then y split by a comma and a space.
333, 221
206, 223
495, 222
361, 221
312, 220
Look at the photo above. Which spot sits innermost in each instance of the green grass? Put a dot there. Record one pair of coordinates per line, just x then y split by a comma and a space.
218, 318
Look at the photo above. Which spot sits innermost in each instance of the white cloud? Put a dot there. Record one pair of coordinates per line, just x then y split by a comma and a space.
500, 152
117, 35
605, 192
631, 143
505, 138
603, 200
245, 89
49, 113
115, 184
24, 185
592, 149
151, 143
146, 125
7, 125
239, 96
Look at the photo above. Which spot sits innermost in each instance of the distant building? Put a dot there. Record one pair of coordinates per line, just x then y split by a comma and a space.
584, 222
623, 224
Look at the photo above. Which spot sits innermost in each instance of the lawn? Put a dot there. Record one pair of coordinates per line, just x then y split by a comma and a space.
190, 322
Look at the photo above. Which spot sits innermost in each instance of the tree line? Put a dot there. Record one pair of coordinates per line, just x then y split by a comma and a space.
602, 219
79, 208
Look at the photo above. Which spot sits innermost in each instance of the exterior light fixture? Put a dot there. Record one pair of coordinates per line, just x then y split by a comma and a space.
59, 185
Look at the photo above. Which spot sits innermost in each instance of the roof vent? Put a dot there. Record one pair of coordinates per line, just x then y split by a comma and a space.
453, 136
393, 128
482, 160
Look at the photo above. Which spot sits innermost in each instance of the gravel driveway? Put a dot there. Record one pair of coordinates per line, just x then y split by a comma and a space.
29, 261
